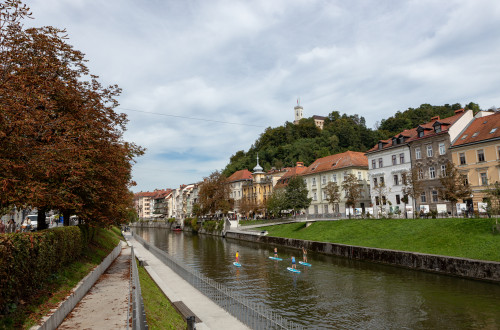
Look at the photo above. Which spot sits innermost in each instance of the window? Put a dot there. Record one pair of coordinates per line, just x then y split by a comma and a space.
493, 130
315, 196
462, 158
420, 133
434, 196
401, 158
324, 195
334, 177
374, 163
484, 179
382, 180
432, 172
396, 180
375, 182
325, 208
313, 181
384, 200
418, 154
398, 200
464, 137
420, 174
377, 200
475, 134
360, 177
394, 162
344, 176
442, 149
323, 178
465, 178
437, 128
443, 170
480, 155
380, 163
423, 199
429, 151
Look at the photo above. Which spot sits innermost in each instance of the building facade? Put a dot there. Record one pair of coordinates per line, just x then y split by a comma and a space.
476, 154
336, 168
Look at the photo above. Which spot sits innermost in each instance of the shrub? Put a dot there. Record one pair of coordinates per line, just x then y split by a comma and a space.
27, 258
172, 220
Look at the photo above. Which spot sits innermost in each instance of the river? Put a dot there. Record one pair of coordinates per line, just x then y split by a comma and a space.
337, 293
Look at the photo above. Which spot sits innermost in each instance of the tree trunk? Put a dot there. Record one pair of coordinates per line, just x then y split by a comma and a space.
66, 215
42, 224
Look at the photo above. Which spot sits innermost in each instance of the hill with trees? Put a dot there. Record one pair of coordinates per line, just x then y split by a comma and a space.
285, 145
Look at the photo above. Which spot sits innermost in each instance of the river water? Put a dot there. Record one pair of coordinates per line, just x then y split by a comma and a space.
337, 293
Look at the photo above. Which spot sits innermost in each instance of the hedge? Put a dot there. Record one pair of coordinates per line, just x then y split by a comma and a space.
27, 259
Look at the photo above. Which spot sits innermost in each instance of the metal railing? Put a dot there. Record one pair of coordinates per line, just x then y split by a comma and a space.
136, 304
252, 314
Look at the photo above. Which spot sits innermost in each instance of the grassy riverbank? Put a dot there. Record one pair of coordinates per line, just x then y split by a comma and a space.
458, 237
160, 313
57, 286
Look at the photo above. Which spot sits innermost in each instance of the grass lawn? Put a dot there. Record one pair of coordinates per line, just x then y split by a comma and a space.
58, 285
458, 237
160, 313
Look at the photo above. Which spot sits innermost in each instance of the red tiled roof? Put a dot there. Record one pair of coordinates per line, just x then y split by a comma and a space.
483, 126
412, 134
240, 175
333, 162
291, 172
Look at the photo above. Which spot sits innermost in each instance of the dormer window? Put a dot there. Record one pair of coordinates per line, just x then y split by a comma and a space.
493, 130
380, 145
421, 133
475, 134
437, 128
394, 141
402, 139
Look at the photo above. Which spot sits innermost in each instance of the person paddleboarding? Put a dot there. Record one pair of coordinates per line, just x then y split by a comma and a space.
237, 257
304, 252
294, 266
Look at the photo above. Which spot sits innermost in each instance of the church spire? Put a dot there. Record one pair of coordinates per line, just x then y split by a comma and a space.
258, 168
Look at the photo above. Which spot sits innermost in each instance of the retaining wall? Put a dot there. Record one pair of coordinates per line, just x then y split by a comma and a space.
468, 268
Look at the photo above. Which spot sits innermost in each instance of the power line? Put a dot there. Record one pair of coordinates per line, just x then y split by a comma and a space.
191, 118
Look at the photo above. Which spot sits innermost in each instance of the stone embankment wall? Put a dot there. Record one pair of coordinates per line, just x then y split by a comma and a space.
169, 226
468, 268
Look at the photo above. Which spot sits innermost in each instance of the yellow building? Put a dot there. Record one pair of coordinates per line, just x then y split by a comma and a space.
476, 154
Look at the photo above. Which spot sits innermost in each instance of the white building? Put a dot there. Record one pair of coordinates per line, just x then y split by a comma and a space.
388, 162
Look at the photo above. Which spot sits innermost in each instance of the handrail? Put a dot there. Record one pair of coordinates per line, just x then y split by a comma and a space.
138, 314
255, 316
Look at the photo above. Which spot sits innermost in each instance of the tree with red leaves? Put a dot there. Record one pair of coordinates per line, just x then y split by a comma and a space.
61, 141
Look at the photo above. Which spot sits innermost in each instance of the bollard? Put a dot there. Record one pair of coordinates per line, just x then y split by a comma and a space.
191, 322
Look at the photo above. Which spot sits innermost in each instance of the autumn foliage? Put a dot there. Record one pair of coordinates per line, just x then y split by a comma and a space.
61, 143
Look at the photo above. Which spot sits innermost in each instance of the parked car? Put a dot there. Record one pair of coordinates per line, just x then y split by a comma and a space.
34, 221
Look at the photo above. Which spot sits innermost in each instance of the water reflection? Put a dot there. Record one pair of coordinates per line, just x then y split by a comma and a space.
337, 292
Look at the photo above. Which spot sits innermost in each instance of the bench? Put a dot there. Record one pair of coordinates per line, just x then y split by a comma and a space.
184, 310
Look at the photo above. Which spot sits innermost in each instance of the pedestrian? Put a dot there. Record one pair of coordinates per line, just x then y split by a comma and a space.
237, 256
276, 252
28, 224
2, 227
294, 266
304, 252
11, 226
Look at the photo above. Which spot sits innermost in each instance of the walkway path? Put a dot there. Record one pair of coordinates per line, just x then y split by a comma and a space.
177, 289
105, 305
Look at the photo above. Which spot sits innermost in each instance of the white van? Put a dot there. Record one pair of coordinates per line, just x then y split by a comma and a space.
34, 221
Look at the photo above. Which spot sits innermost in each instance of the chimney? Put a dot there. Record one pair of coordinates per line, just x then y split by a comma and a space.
459, 111
435, 118
300, 164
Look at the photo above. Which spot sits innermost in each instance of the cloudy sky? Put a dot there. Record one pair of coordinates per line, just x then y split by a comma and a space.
202, 79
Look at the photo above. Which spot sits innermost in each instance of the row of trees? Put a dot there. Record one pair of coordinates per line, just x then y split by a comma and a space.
61, 143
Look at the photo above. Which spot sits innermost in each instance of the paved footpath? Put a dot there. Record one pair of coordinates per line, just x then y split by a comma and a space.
105, 304
177, 289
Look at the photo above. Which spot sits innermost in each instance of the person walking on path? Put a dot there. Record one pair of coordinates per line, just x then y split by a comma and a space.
304, 252
2, 227
11, 226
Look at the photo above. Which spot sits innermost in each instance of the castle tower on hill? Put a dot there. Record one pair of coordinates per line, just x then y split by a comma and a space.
298, 109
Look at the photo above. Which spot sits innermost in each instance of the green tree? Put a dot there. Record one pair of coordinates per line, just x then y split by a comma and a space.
455, 186
493, 192
412, 184
277, 202
352, 190
296, 194
381, 191
332, 190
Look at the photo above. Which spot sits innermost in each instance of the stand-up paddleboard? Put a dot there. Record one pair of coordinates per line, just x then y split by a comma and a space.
293, 270
305, 263
275, 258
237, 264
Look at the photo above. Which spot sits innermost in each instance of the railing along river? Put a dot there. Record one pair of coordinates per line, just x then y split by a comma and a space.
256, 316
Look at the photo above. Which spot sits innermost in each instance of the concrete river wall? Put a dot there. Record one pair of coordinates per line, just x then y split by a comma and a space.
467, 268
